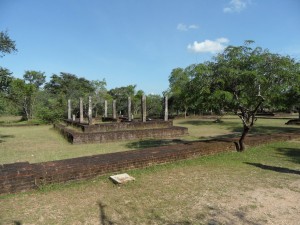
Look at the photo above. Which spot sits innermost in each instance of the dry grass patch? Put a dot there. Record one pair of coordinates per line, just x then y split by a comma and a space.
224, 189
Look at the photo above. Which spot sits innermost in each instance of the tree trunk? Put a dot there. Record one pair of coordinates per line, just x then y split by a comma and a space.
299, 112
240, 145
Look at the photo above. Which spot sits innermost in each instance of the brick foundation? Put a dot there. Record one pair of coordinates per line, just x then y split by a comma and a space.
101, 133
18, 177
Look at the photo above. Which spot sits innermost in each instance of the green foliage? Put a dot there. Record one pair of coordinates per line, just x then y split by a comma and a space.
5, 79
49, 108
35, 77
154, 106
69, 86
7, 45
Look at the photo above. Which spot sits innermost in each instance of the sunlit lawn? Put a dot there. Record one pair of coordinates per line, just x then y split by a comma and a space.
43, 143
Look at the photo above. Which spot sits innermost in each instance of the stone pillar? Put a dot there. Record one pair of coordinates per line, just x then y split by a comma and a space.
90, 115
69, 110
74, 117
166, 108
105, 108
114, 109
80, 110
129, 109
144, 108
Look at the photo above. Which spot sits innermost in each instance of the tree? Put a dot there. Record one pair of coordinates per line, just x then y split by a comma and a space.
121, 94
68, 86
22, 95
5, 79
248, 74
7, 45
99, 95
36, 78
154, 105
179, 89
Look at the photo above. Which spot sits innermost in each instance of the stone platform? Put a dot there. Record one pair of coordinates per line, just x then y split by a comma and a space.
80, 133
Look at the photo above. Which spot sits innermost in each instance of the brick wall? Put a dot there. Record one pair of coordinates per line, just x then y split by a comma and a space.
18, 177
105, 127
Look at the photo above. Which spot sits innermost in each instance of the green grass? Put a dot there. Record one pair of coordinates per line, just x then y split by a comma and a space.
202, 190
43, 143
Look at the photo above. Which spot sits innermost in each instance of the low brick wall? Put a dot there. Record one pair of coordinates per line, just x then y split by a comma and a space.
127, 126
105, 127
18, 177
121, 135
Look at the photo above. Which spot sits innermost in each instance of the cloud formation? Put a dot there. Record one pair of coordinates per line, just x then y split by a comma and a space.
184, 27
208, 46
235, 6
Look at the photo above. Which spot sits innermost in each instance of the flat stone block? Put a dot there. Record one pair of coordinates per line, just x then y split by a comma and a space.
121, 178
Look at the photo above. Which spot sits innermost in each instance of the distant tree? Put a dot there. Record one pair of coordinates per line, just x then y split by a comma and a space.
121, 94
136, 106
68, 86
291, 98
154, 106
7, 45
22, 95
99, 96
178, 89
36, 78
5, 79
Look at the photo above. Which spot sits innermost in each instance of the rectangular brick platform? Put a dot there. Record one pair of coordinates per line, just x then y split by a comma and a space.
110, 132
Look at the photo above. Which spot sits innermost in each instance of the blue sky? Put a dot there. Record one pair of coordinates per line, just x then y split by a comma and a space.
140, 41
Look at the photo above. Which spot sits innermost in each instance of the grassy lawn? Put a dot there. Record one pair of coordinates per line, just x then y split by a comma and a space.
259, 186
43, 143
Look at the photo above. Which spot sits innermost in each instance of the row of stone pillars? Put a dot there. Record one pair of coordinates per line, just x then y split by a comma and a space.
90, 118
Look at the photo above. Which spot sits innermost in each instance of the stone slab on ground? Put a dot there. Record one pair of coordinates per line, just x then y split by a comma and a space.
121, 178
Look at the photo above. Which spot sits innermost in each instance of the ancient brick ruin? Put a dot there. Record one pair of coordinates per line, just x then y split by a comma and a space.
76, 131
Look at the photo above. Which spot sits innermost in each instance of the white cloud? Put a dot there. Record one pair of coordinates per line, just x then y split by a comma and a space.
208, 46
184, 27
236, 6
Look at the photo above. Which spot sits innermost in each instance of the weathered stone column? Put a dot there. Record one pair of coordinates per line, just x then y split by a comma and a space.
105, 108
90, 115
80, 110
114, 109
129, 109
69, 110
166, 108
74, 117
144, 108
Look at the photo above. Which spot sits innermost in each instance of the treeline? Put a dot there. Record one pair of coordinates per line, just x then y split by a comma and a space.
33, 98
241, 79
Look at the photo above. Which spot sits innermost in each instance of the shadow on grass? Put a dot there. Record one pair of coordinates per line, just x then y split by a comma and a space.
104, 220
210, 122
236, 126
274, 168
5, 137
292, 153
153, 143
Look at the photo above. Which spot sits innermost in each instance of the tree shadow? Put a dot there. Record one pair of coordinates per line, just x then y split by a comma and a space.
104, 220
292, 153
274, 168
5, 137
153, 143
257, 129
210, 122
17, 223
